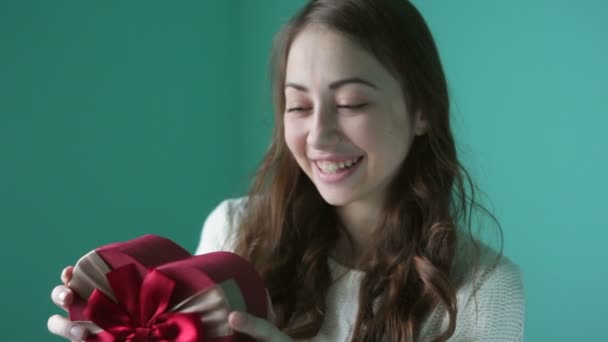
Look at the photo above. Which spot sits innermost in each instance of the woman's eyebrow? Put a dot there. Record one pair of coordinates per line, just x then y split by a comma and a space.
334, 85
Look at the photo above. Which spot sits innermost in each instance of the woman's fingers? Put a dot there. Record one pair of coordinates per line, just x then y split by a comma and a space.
249, 325
62, 296
63, 327
66, 275
258, 328
272, 317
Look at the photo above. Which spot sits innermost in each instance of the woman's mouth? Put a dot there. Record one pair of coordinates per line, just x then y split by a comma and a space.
335, 171
330, 167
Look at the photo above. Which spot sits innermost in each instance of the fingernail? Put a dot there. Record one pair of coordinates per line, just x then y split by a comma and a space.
237, 319
77, 332
61, 296
64, 275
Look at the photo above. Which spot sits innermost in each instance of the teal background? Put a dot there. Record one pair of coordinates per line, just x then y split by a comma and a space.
119, 118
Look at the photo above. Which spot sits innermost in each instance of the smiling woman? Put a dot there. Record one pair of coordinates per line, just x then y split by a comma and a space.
360, 216
359, 219
354, 112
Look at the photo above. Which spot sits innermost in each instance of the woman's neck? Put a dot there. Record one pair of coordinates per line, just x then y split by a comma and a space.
360, 220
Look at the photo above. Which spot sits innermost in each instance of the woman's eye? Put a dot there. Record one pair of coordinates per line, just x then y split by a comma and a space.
297, 109
353, 106
343, 106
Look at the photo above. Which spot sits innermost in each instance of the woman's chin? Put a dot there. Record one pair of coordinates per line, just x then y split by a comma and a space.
336, 199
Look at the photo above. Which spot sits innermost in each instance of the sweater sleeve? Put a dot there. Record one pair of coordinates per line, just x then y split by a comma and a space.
495, 312
220, 227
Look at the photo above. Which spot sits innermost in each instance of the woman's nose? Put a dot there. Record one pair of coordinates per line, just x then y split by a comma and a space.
324, 130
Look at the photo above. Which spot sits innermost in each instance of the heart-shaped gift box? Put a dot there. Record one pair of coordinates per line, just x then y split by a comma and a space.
151, 289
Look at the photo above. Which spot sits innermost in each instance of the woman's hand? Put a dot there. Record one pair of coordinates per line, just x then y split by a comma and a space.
258, 328
261, 329
62, 296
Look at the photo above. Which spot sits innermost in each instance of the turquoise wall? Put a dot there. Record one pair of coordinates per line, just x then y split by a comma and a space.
117, 118
120, 118
529, 80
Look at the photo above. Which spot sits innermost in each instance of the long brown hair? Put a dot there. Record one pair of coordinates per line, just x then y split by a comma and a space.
288, 229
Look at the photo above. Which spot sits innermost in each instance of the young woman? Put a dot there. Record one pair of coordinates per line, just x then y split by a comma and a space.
359, 219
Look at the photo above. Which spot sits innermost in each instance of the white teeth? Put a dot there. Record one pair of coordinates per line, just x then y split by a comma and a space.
330, 167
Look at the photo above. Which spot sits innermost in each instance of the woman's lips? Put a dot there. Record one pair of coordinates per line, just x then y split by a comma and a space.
332, 173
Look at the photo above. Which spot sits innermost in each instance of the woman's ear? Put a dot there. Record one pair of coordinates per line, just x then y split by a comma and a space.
420, 123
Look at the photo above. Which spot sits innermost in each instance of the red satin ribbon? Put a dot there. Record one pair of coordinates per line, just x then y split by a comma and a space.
141, 312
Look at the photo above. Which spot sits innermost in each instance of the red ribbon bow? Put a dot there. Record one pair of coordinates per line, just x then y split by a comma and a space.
141, 312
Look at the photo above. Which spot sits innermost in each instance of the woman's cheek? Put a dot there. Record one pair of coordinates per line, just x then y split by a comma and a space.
295, 139
361, 130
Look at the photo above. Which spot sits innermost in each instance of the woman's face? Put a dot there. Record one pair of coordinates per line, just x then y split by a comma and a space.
345, 117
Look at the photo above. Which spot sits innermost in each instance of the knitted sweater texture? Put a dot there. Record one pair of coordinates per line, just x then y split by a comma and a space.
491, 302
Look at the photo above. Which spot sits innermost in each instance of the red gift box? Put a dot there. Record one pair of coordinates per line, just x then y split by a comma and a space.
151, 289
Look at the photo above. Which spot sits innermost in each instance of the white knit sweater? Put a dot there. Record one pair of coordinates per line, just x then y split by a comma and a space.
494, 314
